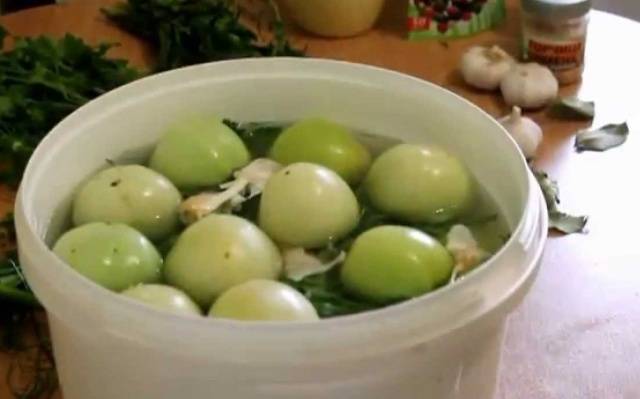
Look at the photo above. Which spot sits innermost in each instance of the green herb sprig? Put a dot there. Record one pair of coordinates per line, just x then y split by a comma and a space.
42, 80
187, 32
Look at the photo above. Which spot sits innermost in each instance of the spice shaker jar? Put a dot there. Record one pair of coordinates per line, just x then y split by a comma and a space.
554, 34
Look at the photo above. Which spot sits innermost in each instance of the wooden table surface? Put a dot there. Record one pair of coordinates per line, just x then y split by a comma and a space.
576, 336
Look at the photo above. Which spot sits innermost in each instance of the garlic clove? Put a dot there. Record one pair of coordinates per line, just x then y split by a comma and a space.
259, 171
252, 177
485, 67
465, 250
529, 86
526, 133
198, 206
299, 264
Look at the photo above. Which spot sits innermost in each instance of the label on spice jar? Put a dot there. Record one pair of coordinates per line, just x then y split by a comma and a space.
557, 56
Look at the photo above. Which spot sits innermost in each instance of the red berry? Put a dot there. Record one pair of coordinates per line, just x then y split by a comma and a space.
443, 27
454, 13
467, 16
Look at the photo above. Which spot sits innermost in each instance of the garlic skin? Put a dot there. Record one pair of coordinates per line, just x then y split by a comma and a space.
299, 264
526, 133
529, 86
465, 250
249, 182
485, 67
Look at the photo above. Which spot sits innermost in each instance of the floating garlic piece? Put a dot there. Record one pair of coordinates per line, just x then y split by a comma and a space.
299, 264
529, 86
465, 250
253, 176
257, 173
198, 206
524, 131
485, 67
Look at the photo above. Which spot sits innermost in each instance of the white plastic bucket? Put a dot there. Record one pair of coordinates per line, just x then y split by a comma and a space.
443, 345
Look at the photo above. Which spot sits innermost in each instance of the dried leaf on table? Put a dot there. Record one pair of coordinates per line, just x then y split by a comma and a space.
566, 223
573, 108
558, 220
603, 138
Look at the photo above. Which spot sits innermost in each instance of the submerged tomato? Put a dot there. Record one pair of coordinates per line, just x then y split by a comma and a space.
163, 297
390, 263
199, 152
419, 184
133, 195
307, 205
320, 141
115, 256
217, 253
263, 300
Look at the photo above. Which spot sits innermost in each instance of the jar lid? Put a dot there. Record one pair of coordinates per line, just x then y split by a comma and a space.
557, 9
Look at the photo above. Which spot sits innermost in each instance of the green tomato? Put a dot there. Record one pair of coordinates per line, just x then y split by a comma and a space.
115, 256
419, 184
323, 142
134, 195
163, 297
199, 152
390, 263
307, 205
262, 300
217, 253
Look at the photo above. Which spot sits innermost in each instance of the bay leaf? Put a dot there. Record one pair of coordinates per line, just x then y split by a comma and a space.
566, 223
558, 220
602, 138
573, 108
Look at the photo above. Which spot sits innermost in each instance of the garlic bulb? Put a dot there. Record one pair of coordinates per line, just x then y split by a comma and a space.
529, 86
524, 131
249, 182
465, 250
299, 264
485, 67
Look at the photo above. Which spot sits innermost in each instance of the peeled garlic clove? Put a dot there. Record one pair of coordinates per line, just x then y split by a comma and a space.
299, 264
465, 249
526, 133
529, 86
198, 206
485, 67
258, 172
254, 176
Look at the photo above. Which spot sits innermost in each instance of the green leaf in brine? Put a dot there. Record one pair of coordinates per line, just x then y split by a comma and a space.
573, 108
566, 223
328, 296
257, 136
248, 209
603, 138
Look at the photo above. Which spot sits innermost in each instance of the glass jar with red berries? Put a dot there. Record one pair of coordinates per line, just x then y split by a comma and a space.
453, 18
554, 33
